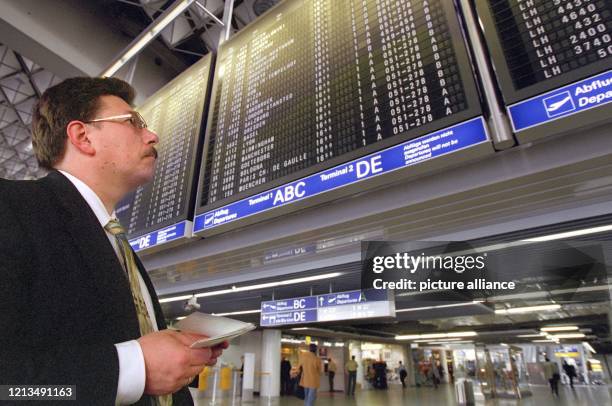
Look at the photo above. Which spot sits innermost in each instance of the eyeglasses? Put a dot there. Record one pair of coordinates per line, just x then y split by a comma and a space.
134, 118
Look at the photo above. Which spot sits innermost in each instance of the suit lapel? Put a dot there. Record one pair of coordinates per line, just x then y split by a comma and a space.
92, 245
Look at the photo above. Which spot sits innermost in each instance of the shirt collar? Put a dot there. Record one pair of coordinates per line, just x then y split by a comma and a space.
92, 199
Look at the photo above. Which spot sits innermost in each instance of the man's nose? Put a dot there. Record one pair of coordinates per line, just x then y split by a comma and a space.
151, 137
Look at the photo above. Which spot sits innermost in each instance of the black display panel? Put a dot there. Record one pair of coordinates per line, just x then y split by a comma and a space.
175, 114
315, 83
540, 45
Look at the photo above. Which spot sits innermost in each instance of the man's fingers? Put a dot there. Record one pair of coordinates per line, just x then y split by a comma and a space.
199, 356
221, 346
189, 338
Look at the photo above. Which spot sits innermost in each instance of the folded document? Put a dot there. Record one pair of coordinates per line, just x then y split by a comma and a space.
217, 328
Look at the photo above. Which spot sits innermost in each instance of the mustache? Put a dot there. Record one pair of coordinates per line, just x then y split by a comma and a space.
153, 152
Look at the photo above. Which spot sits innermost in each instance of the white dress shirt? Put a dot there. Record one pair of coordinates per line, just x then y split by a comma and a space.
131, 360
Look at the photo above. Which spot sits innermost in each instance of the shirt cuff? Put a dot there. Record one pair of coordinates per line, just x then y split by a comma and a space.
132, 373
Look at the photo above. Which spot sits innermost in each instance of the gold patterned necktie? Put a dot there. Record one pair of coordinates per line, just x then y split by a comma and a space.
144, 321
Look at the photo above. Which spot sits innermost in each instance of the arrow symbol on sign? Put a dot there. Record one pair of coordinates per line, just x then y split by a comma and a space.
321, 301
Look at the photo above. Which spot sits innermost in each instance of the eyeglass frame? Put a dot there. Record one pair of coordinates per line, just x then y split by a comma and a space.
134, 117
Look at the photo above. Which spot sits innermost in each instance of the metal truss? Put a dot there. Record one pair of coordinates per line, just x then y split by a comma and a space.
21, 83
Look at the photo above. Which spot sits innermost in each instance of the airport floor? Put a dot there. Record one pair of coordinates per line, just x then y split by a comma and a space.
444, 395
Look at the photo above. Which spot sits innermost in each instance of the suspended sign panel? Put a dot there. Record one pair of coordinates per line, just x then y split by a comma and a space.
159, 212
351, 305
316, 84
553, 59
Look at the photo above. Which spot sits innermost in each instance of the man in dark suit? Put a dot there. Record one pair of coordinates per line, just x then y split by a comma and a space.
68, 313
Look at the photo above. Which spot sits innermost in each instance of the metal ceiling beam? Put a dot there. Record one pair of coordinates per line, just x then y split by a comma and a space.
28, 73
148, 35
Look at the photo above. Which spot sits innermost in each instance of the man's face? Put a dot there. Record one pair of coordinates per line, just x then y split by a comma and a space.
125, 153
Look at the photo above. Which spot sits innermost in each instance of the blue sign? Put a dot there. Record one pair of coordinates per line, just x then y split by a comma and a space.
409, 153
308, 308
159, 237
583, 95
292, 317
339, 299
351, 297
298, 303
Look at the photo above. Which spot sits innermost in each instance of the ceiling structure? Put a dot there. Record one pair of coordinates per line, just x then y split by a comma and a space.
192, 35
21, 83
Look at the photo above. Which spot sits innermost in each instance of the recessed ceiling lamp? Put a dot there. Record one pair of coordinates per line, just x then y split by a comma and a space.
571, 234
436, 335
569, 335
528, 309
559, 328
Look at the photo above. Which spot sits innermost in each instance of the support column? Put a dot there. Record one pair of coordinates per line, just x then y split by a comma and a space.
356, 351
409, 363
270, 363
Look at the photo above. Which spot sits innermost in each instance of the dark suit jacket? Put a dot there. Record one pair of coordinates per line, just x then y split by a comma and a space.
65, 299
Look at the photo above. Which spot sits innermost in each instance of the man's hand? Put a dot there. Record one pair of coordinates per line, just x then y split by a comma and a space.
169, 362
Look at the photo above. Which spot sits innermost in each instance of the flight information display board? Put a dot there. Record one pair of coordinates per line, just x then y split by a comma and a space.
174, 113
541, 47
316, 83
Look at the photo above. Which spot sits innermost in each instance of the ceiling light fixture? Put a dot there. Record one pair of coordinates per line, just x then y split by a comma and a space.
445, 340
559, 328
148, 35
414, 309
234, 289
528, 309
571, 234
237, 312
588, 347
436, 335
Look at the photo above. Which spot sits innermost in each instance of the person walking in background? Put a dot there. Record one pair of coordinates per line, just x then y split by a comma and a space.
570, 371
402, 373
380, 374
311, 368
351, 369
551, 373
435, 375
331, 373
285, 377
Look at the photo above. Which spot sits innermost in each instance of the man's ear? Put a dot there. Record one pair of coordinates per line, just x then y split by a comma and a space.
78, 136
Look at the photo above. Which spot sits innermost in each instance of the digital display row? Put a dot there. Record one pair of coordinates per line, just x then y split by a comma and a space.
175, 114
540, 45
316, 83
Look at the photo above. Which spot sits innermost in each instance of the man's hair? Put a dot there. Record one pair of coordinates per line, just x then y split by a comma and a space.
313, 348
72, 99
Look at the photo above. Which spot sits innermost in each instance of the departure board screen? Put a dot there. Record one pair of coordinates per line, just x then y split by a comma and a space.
174, 113
315, 83
539, 45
